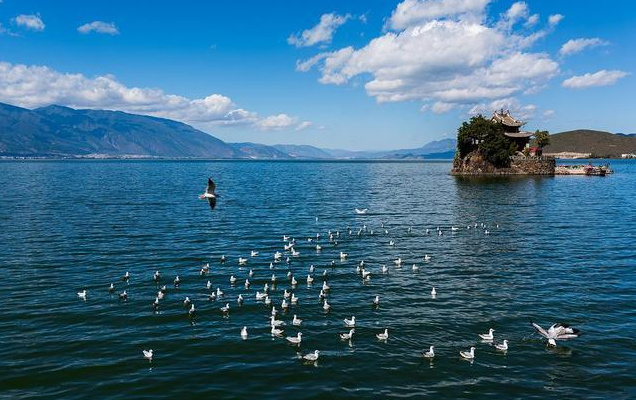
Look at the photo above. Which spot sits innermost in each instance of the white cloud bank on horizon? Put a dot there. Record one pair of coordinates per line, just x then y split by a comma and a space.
447, 54
600, 78
321, 33
37, 86
574, 46
30, 21
108, 28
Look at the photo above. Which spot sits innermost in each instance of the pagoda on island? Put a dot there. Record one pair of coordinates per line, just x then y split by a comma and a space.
512, 128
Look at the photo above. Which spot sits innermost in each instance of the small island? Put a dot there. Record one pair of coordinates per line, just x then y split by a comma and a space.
497, 146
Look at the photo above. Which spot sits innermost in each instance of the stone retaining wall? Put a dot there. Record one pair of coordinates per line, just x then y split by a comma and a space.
474, 164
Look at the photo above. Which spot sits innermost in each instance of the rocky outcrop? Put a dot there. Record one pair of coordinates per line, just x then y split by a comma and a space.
475, 164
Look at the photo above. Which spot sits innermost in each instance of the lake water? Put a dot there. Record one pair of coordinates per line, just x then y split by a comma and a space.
560, 249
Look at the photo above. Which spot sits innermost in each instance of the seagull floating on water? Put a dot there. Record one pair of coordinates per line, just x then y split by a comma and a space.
295, 340
111, 288
376, 301
254, 253
296, 321
350, 323
209, 193
82, 294
312, 356
361, 211
347, 336
277, 332
468, 355
487, 336
557, 332
147, 355
433, 292
383, 336
244, 333
503, 346
429, 354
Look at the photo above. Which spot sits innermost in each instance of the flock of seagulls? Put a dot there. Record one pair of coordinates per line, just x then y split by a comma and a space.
290, 298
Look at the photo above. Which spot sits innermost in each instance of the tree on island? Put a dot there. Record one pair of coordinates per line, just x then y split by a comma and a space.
486, 137
542, 138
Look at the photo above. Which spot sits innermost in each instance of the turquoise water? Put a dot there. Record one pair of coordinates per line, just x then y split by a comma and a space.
560, 249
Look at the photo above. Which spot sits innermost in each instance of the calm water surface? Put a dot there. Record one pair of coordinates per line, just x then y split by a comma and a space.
564, 251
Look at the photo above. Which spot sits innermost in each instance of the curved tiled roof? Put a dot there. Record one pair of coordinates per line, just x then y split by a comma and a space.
518, 134
505, 118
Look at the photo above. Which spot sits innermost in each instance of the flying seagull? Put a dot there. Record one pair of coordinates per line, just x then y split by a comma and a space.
557, 332
209, 193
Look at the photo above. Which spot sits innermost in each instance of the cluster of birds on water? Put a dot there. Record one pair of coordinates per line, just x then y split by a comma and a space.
289, 252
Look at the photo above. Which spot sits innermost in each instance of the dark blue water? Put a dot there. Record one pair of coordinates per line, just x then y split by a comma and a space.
560, 249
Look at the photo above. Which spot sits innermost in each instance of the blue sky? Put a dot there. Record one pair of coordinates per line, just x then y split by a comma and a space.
358, 75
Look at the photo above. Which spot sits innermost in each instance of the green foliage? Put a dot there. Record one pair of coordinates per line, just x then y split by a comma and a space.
542, 138
488, 137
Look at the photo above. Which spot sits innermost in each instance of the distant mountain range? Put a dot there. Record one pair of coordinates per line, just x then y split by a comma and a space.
599, 144
57, 131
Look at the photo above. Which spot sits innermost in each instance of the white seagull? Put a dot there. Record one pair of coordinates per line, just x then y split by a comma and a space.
277, 332
350, 323
209, 194
468, 355
503, 346
148, 355
312, 356
487, 336
383, 336
429, 354
557, 332
244, 333
347, 336
296, 321
82, 294
361, 211
295, 340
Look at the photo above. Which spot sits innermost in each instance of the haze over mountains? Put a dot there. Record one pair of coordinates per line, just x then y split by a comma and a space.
57, 131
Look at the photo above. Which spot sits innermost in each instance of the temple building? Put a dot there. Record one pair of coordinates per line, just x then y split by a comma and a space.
512, 128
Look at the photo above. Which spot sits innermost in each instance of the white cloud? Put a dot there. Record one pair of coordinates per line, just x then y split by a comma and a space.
108, 28
412, 12
443, 58
554, 19
517, 12
36, 86
303, 125
532, 20
440, 107
548, 114
33, 22
573, 46
276, 122
321, 33
600, 78
518, 110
